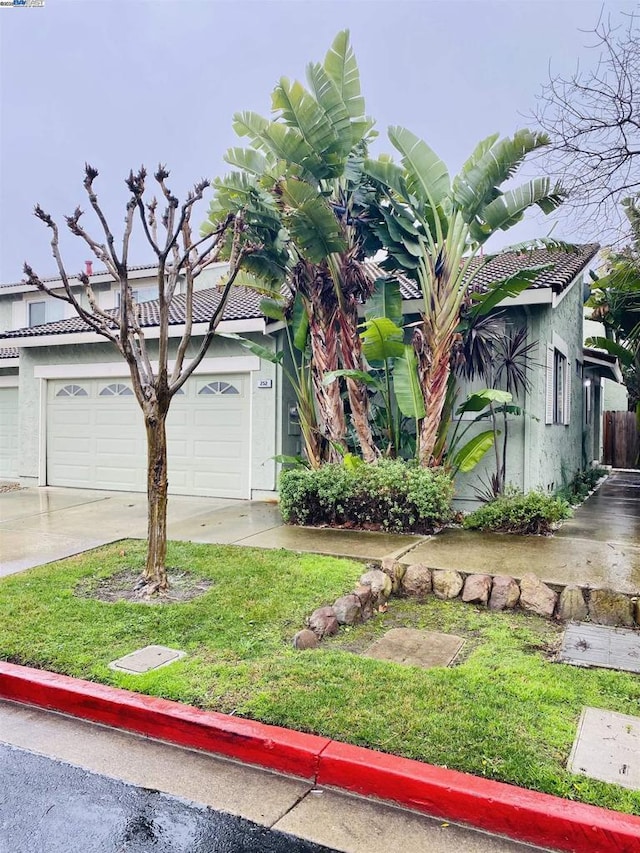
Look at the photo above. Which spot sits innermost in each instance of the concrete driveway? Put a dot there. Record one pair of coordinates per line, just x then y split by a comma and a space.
39, 525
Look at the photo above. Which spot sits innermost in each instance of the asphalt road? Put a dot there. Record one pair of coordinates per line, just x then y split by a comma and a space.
47, 806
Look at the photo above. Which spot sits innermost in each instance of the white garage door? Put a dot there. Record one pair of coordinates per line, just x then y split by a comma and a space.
96, 437
8, 433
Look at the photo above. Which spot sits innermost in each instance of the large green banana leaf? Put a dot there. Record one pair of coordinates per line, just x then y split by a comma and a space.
385, 301
508, 209
427, 175
479, 400
340, 64
406, 385
472, 452
330, 100
382, 339
490, 165
300, 110
619, 350
311, 221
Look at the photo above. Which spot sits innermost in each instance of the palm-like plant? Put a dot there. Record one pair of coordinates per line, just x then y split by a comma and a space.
433, 228
309, 161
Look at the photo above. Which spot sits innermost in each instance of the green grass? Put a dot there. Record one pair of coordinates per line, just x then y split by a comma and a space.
504, 711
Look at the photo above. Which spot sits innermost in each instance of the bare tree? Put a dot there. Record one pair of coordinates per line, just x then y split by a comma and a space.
593, 119
181, 257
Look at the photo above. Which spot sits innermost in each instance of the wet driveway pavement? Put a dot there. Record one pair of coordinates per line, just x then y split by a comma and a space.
598, 547
53, 806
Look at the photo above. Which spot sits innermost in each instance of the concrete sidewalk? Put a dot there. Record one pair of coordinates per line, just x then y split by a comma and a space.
598, 547
40, 525
339, 821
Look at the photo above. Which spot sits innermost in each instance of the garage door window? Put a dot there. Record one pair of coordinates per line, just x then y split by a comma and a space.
218, 388
116, 390
72, 391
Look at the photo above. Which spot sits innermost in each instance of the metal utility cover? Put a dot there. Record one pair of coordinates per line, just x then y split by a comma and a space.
597, 645
416, 648
607, 747
143, 660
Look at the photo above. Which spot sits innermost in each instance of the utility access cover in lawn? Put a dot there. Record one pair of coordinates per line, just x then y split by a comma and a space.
143, 660
607, 747
597, 645
416, 648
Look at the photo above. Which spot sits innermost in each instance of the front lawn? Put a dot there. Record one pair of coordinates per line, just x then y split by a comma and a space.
504, 710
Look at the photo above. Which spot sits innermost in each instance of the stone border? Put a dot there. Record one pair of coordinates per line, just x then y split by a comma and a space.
437, 791
496, 592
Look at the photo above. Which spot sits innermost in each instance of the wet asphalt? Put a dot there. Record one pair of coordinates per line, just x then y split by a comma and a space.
47, 806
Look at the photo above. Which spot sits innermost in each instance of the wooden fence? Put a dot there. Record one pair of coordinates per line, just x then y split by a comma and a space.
621, 444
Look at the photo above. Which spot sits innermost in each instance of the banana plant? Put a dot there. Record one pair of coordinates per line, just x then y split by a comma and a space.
296, 368
433, 229
393, 364
309, 160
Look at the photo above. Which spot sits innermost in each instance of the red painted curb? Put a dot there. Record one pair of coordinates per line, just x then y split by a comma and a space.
278, 749
493, 806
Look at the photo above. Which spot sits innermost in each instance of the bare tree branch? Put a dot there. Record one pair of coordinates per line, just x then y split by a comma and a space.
593, 118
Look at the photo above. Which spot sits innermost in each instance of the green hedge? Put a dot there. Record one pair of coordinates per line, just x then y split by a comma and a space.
388, 495
534, 512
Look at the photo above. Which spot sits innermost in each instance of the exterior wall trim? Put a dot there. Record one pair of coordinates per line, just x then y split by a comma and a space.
86, 370
9, 381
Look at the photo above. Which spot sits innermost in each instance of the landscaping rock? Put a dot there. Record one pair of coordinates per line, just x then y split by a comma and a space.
323, 622
505, 593
417, 580
305, 639
366, 600
476, 589
637, 611
607, 607
395, 570
536, 596
572, 606
380, 584
446, 583
348, 609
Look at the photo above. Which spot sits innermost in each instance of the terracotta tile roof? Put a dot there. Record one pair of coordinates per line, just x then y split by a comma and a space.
9, 352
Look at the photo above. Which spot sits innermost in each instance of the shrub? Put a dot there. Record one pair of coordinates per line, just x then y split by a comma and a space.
579, 487
534, 512
389, 495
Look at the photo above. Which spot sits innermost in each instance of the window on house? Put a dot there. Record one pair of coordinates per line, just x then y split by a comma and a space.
44, 311
116, 390
72, 391
558, 390
140, 294
218, 388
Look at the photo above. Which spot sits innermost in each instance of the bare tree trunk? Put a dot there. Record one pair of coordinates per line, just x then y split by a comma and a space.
351, 350
434, 367
323, 338
155, 572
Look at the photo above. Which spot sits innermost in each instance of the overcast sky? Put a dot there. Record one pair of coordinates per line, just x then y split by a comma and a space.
124, 82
